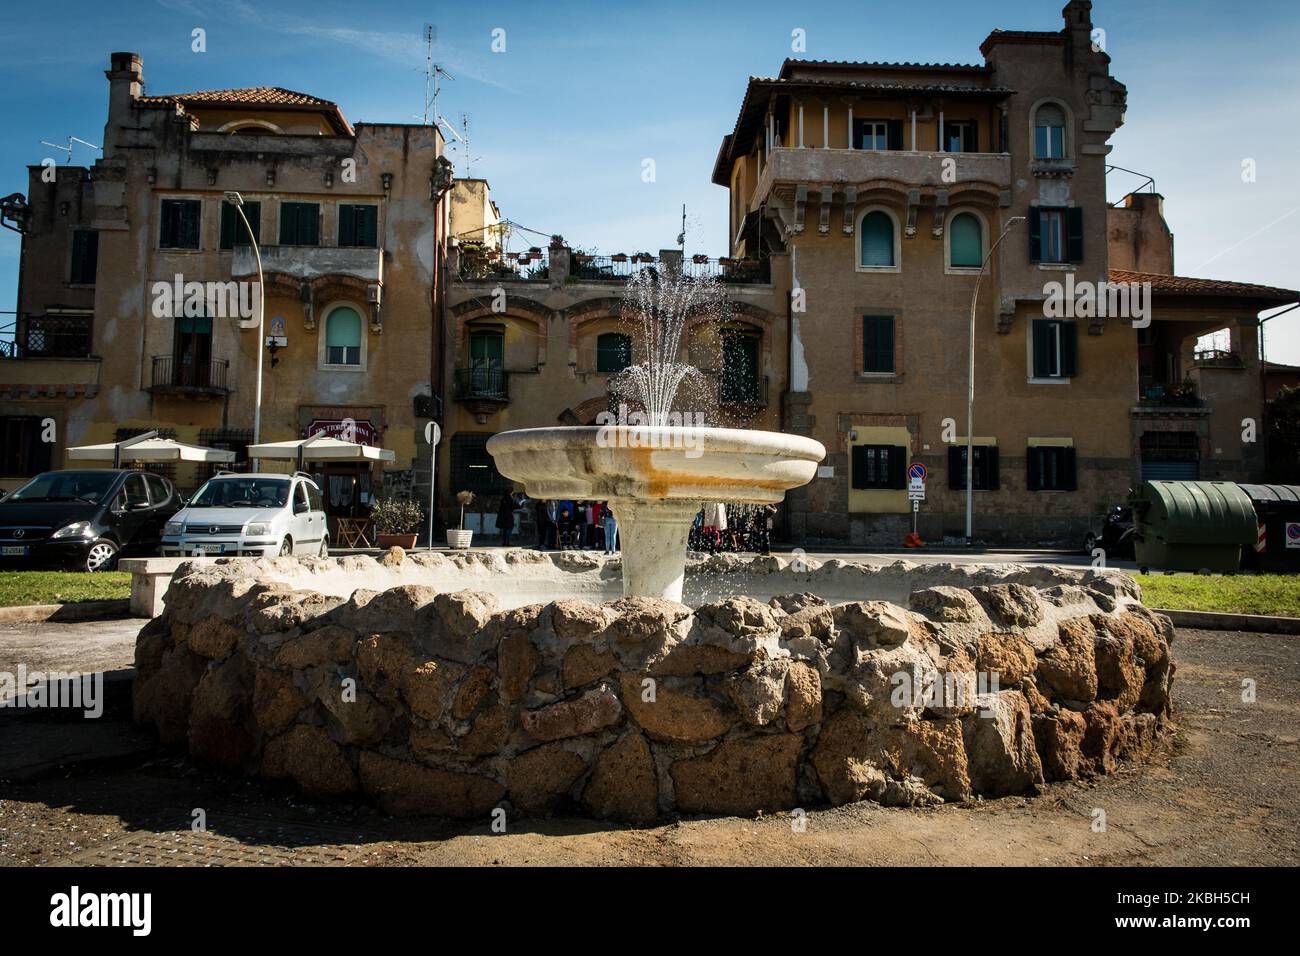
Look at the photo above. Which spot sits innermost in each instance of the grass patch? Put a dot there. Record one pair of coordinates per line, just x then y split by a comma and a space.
1273, 594
62, 587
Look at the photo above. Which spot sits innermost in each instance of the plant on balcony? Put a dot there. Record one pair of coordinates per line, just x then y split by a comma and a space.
699, 259
618, 257
397, 522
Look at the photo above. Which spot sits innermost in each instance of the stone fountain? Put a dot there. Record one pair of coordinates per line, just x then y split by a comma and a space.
655, 473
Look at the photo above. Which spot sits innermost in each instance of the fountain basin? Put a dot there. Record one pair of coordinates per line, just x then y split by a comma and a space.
654, 479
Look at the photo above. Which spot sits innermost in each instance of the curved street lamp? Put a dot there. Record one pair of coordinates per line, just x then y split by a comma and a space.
970, 383
236, 200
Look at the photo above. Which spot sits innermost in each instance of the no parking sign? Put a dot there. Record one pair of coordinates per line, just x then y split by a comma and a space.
1293, 534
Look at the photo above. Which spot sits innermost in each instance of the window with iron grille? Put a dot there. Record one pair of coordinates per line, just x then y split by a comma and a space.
1051, 468
879, 466
984, 471
472, 468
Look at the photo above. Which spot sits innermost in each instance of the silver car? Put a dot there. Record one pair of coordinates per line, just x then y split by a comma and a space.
259, 514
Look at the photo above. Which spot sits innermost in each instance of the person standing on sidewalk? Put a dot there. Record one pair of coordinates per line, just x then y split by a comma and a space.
611, 529
506, 519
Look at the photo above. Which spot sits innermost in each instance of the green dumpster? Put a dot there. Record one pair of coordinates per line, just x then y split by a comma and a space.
1191, 525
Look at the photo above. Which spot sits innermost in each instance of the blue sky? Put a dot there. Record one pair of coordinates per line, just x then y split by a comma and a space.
561, 121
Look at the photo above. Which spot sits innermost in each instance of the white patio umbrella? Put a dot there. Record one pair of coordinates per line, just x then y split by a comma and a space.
148, 447
319, 448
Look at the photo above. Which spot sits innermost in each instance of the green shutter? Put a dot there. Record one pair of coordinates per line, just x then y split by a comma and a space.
877, 239
347, 224
898, 466
990, 467
1035, 235
956, 467
1034, 466
878, 343
1069, 470
368, 226
288, 224
1041, 330
894, 134
1074, 234
859, 467
974, 145
965, 242
1069, 349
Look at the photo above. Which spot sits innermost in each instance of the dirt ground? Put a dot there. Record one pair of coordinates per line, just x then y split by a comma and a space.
1225, 790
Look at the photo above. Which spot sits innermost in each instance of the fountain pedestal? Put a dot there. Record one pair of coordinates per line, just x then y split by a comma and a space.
655, 479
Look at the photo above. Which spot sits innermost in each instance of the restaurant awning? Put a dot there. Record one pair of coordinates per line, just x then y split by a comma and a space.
148, 447
319, 448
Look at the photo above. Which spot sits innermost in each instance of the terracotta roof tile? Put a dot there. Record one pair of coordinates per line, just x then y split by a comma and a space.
1187, 285
248, 96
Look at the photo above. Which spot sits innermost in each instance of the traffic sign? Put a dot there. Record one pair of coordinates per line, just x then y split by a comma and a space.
917, 472
432, 433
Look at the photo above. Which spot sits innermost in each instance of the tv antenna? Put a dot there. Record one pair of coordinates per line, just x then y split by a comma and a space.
461, 137
433, 74
68, 149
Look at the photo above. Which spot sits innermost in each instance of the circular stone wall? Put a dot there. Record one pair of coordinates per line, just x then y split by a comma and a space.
428, 701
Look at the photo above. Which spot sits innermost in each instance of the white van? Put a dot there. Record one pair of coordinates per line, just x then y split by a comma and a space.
260, 514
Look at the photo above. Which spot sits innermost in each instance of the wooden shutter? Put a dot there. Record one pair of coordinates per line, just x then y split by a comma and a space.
1033, 465
227, 226
956, 468
309, 224
1069, 349
1074, 234
894, 134
1069, 473
859, 467
347, 225
368, 226
989, 466
859, 127
974, 145
1041, 330
1035, 235
898, 466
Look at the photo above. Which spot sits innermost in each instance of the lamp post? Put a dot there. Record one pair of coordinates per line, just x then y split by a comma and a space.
970, 382
236, 200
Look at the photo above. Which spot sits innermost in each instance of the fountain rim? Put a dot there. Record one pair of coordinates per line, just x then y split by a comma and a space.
740, 441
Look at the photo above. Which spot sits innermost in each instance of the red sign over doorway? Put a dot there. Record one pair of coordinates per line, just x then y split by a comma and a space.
360, 431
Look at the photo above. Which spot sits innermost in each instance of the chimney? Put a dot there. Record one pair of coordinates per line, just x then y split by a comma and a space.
125, 83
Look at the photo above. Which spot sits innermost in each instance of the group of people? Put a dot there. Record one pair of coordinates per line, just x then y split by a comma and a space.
570, 525
722, 527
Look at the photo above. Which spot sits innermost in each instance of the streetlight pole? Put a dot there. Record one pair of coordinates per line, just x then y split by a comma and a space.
236, 200
970, 380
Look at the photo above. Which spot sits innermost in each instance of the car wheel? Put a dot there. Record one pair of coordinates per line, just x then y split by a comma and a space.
1089, 543
286, 548
101, 556
324, 547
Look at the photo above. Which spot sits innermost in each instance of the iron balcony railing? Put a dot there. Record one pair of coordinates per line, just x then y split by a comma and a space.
484, 382
51, 336
172, 375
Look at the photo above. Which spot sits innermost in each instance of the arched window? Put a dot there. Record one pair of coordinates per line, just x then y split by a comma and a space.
343, 337
877, 241
965, 242
1049, 132
613, 352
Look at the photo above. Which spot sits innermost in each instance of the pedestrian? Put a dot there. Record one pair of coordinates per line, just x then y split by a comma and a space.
594, 523
506, 519
611, 530
544, 511
766, 521
714, 523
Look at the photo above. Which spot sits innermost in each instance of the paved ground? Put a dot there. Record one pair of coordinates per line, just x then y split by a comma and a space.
1224, 790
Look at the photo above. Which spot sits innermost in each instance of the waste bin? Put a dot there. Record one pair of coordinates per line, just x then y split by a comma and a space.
1191, 525
1277, 511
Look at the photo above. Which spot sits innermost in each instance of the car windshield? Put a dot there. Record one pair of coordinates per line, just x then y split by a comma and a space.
88, 486
242, 493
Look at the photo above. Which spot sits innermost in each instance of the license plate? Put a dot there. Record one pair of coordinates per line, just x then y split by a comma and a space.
15, 551
209, 548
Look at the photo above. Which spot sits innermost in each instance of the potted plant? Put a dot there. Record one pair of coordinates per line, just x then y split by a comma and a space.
460, 538
699, 259
618, 257
397, 522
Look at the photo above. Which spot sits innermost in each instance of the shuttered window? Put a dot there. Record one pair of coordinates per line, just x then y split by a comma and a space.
878, 343
1051, 468
879, 467
85, 257
179, 224
965, 242
233, 231
877, 240
984, 472
1056, 348
343, 337
1055, 234
358, 225
300, 224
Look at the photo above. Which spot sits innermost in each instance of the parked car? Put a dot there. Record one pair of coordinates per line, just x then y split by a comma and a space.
1116, 537
258, 514
85, 518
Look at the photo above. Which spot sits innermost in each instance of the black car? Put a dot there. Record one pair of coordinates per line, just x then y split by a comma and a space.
1116, 537
84, 519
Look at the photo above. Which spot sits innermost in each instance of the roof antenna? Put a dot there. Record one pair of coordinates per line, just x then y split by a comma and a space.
68, 149
433, 74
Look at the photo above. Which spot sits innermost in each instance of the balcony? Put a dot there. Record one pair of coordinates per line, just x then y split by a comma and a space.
484, 390
188, 378
51, 336
309, 262
855, 166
